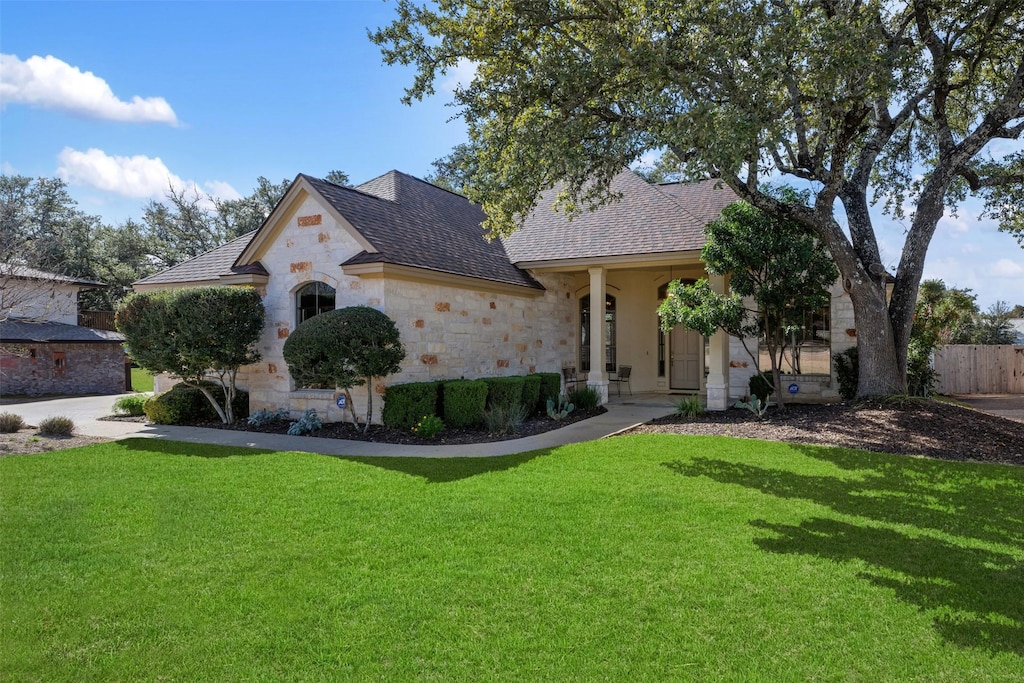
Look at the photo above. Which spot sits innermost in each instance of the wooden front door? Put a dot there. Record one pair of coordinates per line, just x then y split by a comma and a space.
686, 362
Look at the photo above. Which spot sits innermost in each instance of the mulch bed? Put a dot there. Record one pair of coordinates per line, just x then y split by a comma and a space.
448, 437
912, 427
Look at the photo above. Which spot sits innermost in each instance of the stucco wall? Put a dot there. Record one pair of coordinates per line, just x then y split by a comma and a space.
40, 300
33, 369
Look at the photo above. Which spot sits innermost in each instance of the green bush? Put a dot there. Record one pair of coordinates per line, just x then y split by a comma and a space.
184, 404
10, 423
585, 398
550, 387
847, 371
531, 393
57, 426
506, 392
464, 402
505, 419
761, 386
130, 405
406, 404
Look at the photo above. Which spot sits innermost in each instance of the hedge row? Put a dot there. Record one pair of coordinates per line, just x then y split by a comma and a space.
461, 403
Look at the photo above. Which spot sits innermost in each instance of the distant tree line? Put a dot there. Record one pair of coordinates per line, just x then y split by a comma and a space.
42, 227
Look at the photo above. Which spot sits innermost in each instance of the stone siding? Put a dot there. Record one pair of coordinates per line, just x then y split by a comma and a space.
67, 369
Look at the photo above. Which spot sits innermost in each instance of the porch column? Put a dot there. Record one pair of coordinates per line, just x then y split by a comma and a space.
597, 378
718, 360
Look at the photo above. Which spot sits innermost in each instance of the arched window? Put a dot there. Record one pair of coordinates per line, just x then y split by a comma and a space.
609, 333
313, 299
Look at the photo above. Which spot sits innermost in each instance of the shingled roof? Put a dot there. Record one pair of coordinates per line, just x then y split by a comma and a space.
19, 272
413, 223
31, 331
648, 219
209, 266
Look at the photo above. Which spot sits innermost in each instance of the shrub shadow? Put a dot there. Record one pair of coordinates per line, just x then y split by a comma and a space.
186, 448
984, 589
443, 470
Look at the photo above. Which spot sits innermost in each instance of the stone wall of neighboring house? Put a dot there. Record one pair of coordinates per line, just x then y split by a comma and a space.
60, 368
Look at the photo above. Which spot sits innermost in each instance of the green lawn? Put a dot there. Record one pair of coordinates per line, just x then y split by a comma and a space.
641, 558
142, 381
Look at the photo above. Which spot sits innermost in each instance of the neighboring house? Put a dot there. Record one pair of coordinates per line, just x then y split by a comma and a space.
1018, 329
42, 349
468, 307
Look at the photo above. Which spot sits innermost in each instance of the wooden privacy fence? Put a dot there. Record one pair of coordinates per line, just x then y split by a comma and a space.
976, 369
99, 320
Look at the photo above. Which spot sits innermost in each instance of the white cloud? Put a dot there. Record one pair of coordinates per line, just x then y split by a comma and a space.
7, 169
221, 190
50, 83
459, 77
137, 176
1004, 267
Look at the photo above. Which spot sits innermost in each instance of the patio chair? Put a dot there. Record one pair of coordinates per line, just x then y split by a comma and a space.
622, 376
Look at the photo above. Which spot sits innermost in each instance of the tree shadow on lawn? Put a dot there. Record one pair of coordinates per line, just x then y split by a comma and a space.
979, 591
443, 470
194, 450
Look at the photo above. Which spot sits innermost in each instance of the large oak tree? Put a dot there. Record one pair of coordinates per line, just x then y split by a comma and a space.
862, 100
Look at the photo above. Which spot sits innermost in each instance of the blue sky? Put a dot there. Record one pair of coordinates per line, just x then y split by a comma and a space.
120, 98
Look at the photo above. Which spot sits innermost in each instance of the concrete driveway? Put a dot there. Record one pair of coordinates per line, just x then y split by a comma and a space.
84, 410
1010, 406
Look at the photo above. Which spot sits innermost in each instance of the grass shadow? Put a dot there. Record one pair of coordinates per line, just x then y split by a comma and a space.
443, 470
185, 448
981, 592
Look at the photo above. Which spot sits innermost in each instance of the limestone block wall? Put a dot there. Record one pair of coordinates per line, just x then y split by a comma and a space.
310, 247
451, 332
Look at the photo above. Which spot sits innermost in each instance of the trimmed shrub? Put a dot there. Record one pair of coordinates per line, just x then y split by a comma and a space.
504, 391
183, 404
464, 402
761, 386
10, 423
847, 370
406, 404
57, 426
585, 398
531, 393
130, 405
345, 348
550, 387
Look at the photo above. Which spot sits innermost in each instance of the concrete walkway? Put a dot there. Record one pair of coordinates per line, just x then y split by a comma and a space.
622, 414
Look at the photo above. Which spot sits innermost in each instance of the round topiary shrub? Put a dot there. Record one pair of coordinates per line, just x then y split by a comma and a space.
344, 348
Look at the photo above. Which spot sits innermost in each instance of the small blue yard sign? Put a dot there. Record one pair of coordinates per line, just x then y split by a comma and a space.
794, 387
342, 401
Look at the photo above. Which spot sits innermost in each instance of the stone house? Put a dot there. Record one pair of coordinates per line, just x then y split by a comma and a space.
42, 348
468, 307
